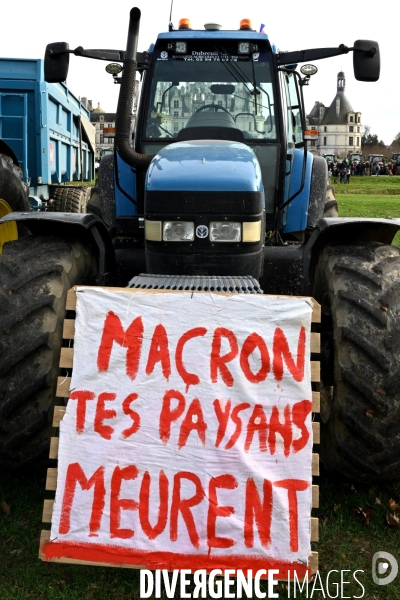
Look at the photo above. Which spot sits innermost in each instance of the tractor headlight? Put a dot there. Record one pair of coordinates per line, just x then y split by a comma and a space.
223, 231
178, 231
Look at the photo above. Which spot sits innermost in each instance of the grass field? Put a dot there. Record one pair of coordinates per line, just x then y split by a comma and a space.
355, 521
370, 197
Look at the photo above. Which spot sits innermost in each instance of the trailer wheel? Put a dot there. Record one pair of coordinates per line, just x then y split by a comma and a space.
358, 288
13, 196
36, 274
70, 199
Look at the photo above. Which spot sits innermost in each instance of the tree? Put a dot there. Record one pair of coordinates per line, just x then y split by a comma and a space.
370, 143
396, 141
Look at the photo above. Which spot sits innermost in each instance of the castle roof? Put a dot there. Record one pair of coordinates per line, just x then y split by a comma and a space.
338, 110
314, 116
340, 106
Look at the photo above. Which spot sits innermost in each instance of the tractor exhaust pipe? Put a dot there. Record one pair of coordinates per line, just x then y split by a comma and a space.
125, 100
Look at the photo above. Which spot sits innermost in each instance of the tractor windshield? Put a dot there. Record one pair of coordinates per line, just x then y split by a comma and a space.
214, 87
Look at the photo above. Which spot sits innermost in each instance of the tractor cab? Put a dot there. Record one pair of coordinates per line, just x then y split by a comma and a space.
355, 157
223, 139
221, 86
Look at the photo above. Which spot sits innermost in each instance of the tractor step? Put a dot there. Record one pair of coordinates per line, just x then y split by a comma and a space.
199, 283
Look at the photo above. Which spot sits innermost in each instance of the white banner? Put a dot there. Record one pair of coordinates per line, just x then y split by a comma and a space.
187, 438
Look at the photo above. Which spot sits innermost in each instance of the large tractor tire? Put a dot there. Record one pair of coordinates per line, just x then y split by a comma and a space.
358, 288
13, 196
331, 205
322, 203
70, 199
102, 198
36, 274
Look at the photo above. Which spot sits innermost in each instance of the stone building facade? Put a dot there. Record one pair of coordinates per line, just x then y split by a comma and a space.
339, 126
104, 123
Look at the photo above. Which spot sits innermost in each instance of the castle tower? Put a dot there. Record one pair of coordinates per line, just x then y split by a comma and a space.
339, 126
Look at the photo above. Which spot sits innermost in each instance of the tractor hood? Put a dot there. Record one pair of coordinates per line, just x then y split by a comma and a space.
205, 166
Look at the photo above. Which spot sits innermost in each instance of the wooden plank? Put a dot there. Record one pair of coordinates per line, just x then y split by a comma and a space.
59, 412
314, 488
66, 358
315, 464
314, 530
315, 370
315, 402
45, 538
313, 562
66, 361
63, 392
69, 329
315, 342
53, 453
316, 313
71, 298
63, 385
47, 511
315, 496
51, 480
316, 432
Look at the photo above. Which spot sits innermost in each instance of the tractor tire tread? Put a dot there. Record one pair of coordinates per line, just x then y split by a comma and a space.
12, 187
360, 440
36, 273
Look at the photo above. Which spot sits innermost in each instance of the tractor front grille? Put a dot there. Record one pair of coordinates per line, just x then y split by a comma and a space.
198, 283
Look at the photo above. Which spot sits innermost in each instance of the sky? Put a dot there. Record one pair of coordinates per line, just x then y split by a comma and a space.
290, 24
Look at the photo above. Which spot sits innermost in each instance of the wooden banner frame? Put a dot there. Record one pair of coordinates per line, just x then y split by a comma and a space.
62, 394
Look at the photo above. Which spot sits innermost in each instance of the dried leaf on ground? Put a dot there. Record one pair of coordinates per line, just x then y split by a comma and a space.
5, 508
393, 521
364, 513
393, 506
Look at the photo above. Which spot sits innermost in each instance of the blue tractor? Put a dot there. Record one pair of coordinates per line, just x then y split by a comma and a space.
217, 192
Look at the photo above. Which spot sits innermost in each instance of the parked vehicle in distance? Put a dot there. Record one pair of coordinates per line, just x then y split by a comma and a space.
355, 157
46, 142
376, 160
396, 163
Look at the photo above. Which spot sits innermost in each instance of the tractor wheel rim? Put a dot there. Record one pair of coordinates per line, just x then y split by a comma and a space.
8, 231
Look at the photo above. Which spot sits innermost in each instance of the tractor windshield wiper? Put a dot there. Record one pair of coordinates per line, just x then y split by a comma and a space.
255, 92
240, 77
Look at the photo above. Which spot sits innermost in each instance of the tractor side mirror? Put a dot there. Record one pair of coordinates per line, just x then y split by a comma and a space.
56, 62
366, 60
